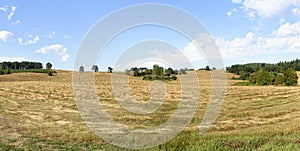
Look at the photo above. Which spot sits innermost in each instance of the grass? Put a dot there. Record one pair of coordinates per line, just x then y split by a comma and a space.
38, 112
31, 71
244, 84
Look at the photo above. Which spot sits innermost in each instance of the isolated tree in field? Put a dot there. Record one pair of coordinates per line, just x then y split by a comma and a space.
109, 69
207, 68
81, 69
95, 68
290, 77
48, 66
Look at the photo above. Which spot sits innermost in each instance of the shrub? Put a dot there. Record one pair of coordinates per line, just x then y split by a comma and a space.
166, 78
50, 73
147, 77
8, 71
173, 77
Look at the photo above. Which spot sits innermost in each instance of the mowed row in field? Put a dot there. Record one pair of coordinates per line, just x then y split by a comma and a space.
37, 105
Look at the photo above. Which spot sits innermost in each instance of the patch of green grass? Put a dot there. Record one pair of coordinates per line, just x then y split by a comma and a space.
31, 70
243, 84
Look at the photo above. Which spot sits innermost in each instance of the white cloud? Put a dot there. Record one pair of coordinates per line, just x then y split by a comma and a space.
51, 34
296, 11
12, 59
251, 45
4, 35
12, 13
34, 40
236, 1
192, 52
288, 29
231, 12
4, 9
17, 22
65, 57
267, 8
57, 48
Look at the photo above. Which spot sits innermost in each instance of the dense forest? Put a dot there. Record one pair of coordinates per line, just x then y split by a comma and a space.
282, 73
253, 67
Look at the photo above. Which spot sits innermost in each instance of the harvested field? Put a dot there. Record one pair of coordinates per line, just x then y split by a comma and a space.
38, 112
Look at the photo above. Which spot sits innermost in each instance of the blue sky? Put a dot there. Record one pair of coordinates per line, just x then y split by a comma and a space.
244, 30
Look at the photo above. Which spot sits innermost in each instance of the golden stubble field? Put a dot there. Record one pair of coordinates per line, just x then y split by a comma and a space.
37, 105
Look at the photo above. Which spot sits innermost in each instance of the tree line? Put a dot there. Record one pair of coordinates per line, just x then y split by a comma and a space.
20, 65
254, 67
282, 73
7, 67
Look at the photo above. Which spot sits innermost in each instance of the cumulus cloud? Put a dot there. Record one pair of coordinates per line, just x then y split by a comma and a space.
267, 8
57, 48
251, 45
236, 1
34, 40
12, 59
289, 29
296, 11
4, 35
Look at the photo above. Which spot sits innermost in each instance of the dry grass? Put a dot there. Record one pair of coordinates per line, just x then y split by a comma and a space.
33, 104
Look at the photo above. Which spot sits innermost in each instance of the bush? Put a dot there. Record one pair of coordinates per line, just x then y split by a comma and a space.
173, 77
147, 77
290, 77
166, 78
50, 73
1, 72
8, 71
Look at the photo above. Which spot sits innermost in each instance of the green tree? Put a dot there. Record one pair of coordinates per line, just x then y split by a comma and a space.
169, 71
95, 68
109, 69
244, 75
279, 80
157, 70
207, 68
81, 69
48, 66
290, 77
135, 71
261, 77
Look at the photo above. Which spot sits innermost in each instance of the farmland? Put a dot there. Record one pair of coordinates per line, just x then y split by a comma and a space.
38, 111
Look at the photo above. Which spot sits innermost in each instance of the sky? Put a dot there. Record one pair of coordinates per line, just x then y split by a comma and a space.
244, 31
